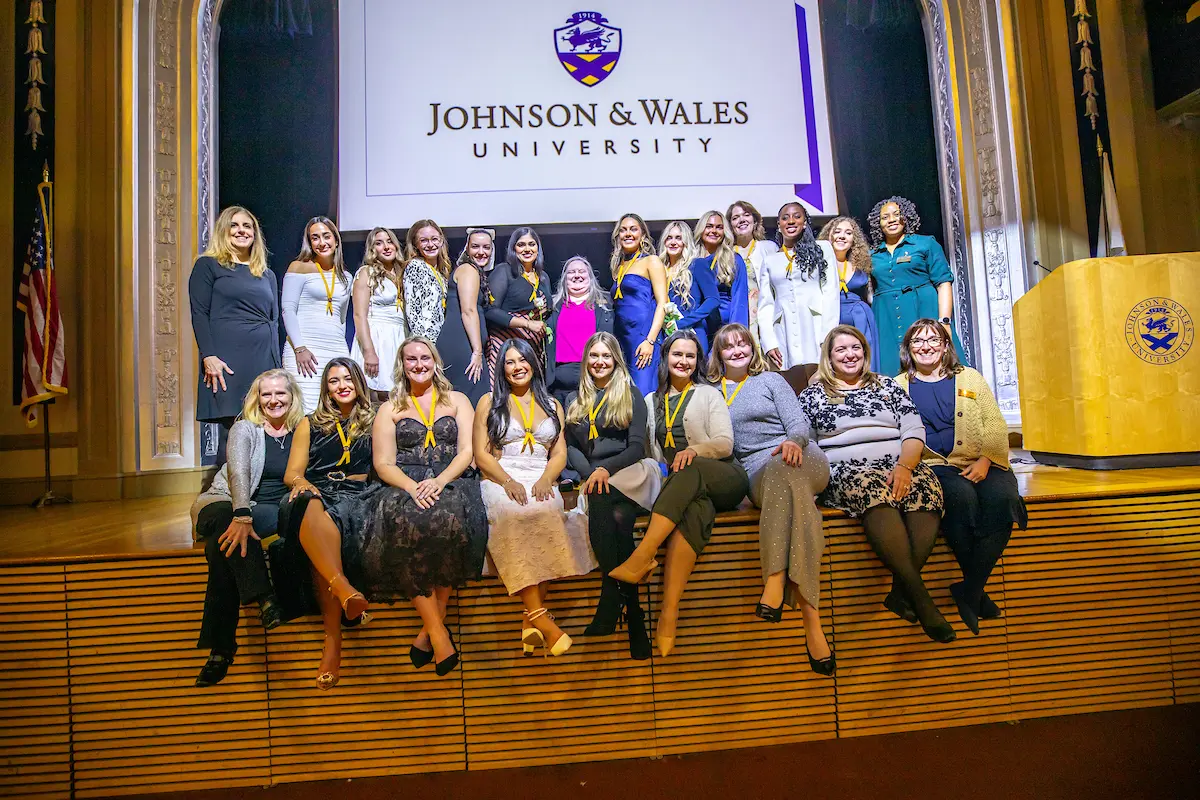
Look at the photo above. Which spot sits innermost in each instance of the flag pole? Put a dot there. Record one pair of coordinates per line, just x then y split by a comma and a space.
48, 497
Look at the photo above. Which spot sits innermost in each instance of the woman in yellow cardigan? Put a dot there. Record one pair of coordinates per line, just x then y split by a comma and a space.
966, 444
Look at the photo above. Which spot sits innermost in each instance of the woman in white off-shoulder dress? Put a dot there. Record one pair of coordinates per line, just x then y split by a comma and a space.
316, 292
520, 450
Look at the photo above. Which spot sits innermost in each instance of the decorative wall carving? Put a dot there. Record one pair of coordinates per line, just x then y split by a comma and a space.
206, 47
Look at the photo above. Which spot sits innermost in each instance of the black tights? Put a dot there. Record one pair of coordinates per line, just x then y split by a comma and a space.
903, 541
611, 518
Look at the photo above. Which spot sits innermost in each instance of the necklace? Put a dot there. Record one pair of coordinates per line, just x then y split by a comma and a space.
279, 440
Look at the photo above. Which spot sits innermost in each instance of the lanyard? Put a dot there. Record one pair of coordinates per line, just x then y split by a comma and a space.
592, 432
843, 268
345, 459
534, 281
329, 287
527, 421
626, 263
670, 440
749, 251
791, 257
441, 282
429, 440
729, 398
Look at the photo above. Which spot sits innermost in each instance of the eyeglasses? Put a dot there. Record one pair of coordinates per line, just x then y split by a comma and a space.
933, 341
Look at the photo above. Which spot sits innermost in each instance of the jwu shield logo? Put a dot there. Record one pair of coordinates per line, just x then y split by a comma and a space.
588, 47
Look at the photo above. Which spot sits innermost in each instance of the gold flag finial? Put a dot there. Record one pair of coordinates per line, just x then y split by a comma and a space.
46, 172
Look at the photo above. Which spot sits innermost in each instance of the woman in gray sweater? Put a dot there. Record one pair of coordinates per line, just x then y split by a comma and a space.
873, 436
787, 470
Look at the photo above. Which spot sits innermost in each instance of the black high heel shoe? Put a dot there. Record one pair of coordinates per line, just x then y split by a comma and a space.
768, 614
639, 639
607, 618
825, 666
447, 664
270, 612
419, 657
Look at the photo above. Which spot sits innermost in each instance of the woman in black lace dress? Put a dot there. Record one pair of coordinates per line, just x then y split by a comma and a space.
423, 531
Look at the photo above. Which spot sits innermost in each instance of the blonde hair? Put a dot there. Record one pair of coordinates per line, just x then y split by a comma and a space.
724, 261
376, 273
220, 246
825, 373
860, 252
725, 337
679, 274
413, 253
618, 408
306, 251
327, 414
646, 248
401, 388
252, 408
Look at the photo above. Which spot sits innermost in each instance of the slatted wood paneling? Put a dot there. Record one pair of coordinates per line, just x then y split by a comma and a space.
732, 679
1091, 590
891, 676
35, 736
591, 704
138, 722
383, 717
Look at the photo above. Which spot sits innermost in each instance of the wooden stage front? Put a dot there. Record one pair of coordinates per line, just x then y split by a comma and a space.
102, 603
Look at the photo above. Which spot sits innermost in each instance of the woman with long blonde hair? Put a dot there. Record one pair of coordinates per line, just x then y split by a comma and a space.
733, 283
606, 445
640, 298
378, 310
235, 317
316, 296
852, 259
694, 292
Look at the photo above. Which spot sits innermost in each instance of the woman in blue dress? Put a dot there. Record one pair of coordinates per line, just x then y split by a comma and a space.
913, 280
693, 292
639, 296
852, 256
716, 244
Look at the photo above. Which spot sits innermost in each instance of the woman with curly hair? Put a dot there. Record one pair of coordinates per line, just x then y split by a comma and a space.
852, 257
378, 310
913, 279
798, 297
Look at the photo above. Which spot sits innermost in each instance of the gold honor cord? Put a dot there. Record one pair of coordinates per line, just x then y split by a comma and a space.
791, 257
441, 282
345, 459
527, 421
749, 251
626, 263
534, 281
729, 398
670, 440
329, 287
842, 269
592, 432
429, 440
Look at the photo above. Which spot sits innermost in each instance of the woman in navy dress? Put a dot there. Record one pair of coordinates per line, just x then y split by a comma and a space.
235, 316
464, 333
852, 255
639, 299
693, 292
716, 244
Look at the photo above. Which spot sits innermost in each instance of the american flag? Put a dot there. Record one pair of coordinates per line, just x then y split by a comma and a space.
44, 368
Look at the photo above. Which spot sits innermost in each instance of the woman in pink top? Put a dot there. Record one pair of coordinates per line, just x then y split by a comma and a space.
581, 308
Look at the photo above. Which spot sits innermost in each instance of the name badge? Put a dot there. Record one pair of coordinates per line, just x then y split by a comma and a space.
966, 393
904, 259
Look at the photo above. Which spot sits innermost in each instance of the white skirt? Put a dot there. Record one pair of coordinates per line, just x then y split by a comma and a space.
387, 335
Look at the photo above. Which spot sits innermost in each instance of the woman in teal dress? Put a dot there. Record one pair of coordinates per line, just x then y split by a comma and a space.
912, 279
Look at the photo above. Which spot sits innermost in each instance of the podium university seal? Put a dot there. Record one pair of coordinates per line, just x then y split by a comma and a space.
1159, 331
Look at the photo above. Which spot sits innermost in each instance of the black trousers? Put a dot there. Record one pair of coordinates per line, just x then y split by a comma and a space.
611, 519
978, 522
234, 580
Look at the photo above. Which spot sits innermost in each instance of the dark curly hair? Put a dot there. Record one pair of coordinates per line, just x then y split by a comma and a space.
908, 212
809, 257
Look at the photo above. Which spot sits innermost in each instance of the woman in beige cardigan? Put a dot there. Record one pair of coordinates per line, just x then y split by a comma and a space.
966, 444
692, 436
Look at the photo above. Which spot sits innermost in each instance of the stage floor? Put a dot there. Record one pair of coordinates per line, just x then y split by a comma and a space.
162, 525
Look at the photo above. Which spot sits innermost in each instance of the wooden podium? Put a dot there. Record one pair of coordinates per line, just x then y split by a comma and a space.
1105, 357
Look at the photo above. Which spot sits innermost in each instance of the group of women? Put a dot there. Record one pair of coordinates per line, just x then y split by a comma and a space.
655, 400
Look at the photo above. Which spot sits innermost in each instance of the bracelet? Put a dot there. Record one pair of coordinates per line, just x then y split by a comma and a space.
244, 520
906, 466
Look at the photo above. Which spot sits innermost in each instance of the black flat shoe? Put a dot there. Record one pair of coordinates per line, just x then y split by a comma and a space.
895, 603
824, 666
214, 670
271, 613
768, 614
419, 657
941, 633
988, 609
967, 614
